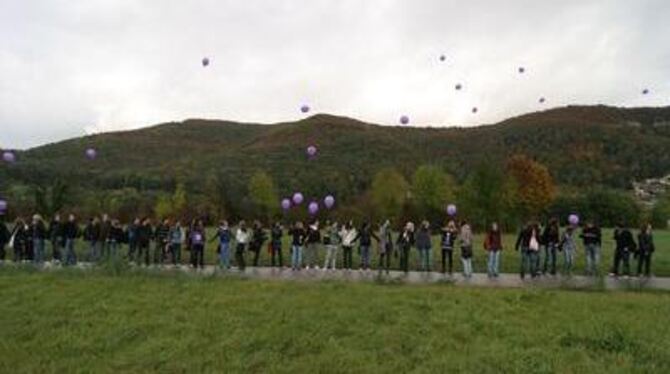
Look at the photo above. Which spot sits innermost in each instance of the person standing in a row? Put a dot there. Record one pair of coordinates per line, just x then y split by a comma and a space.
39, 234
624, 246
71, 233
144, 234
466, 248
197, 240
258, 238
312, 245
242, 237
493, 245
348, 235
385, 247
276, 245
56, 238
646, 249
423, 245
364, 238
550, 240
224, 236
449, 235
405, 242
592, 239
298, 237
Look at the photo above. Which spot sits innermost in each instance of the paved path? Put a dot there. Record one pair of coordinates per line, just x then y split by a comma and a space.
413, 277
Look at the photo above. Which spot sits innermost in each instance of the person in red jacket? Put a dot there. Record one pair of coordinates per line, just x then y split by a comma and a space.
493, 245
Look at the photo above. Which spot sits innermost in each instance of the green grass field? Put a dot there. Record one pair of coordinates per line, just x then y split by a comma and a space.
74, 321
509, 263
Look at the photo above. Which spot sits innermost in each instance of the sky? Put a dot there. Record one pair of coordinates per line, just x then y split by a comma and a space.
72, 67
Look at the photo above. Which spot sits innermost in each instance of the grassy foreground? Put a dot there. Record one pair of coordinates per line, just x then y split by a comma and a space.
71, 321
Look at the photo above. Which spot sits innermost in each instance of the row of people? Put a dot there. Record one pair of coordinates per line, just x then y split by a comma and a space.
104, 238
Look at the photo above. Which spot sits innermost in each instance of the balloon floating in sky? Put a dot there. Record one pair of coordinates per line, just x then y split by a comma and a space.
313, 208
205, 62
311, 151
404, 120
542, 100
645, 91
522, 70
297, 198
573, 219
458, 87
3, 206
8, 156
286, 204
443, 58
329, 201
91, 153
304, 108
475, 110
451, 210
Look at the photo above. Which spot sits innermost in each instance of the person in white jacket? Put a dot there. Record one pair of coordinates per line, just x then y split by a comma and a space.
242, 237
348, 235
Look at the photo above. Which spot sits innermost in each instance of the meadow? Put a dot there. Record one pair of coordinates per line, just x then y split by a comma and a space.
74, 321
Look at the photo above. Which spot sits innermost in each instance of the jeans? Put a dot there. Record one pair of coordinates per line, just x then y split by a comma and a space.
568, 259
644, 263
143, 251
550, 258
365, 256
70, 255
311, 253
296, 257
385, 261
621, 255
347, 257
113, 250
424, 258
592, 259
257, 253
132, 248
175, 252
404, 259
331, 256
447, 254
224, 255
159, 252
527, 262
56, 253
93, 251
494, 262
467, 267
276, 255
38, 245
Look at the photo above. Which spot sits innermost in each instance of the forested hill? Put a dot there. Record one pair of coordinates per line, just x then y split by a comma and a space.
580, 145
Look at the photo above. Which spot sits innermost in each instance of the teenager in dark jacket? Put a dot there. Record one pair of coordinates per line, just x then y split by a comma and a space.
56, 238
105, 229
92, 237
405, 242
592, 238
447, 242
275, 245
550, 241
624, 246
144, 235
493, 245
115, 239
38, 232
386, 249
364, 238
645, 244
70, 233
528, 242
298, 237
258, 238
198, 239
131, 236
224, 236
161, 236
312, 244
424, 246
5, 237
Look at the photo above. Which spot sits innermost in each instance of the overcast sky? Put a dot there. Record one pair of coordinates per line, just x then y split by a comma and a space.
70, 66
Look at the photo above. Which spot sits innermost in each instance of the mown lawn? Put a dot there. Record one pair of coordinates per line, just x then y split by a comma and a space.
75, 321
509, 262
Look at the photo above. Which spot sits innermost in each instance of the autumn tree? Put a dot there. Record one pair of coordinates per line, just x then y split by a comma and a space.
388, 192
535, 188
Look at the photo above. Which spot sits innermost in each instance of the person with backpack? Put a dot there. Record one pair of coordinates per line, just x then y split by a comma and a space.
493, 245
550, 240
242, 237
348, 235
224, 236
131, 235
56, 238
385, 247
466, 239
144, 235
569, 247
298, 237
624, 246
198, 239
276, 235
364, 238
405, 242
331, 240
258, 238
70, 233
529, 244
423, 245
39, 234
645, 244
312, 245
161, 240
447, 241
592, 239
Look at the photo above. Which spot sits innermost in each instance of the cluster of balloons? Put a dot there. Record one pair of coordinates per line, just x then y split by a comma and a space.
312, 207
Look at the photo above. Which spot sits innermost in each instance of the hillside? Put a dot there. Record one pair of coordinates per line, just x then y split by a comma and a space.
580, 145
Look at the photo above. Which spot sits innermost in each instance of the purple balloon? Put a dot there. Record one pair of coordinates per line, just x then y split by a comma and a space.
205, 62
8, 156
329, 201
311, 151
304, 108
91, 153
645, 91
458, 86
443, 58
451, 209
573, 219
286, 204
522, 70
474, 110
313, 208
404, 120
3, 206
297, 198
542, 100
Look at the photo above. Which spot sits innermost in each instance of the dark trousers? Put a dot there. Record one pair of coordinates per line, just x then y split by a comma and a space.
447, 254
257, 254
18, 255
56, 253
2, 251
404, 259
275, 254
348, 262
644, 263
198, 256
550, 251
239, 256
385, 261
132, 248
159, 252
143, 251
175, 252
621, 256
